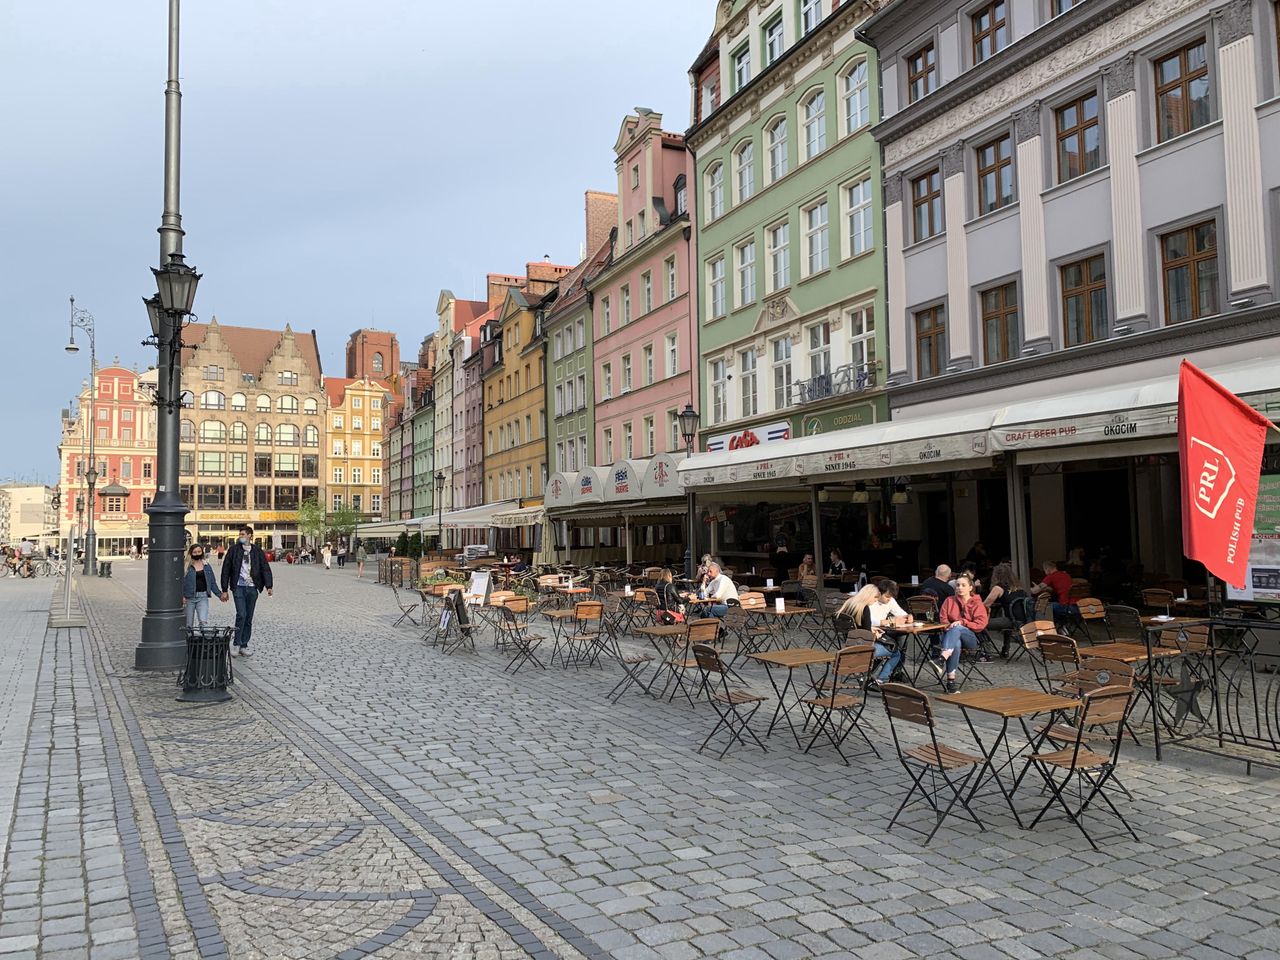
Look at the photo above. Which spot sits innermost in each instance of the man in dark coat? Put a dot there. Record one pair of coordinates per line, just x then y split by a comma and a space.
245, 574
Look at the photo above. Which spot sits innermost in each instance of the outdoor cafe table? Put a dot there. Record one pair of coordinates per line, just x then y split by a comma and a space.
665, 637
790, 660
573, 593
1149, 653
1005, 703
558, 618
925, 634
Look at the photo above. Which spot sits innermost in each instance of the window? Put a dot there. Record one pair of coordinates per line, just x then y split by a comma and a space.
1182, 91
579, 334
357, 403
682, 195
213, 463
239, 402
239, 465
263, 404
746, 257
608, 445
647, 359
337, 421
559, 407
862, 338
719, 391
673, 431
779, 256
646, 292
211, 400
810, 14
742, 68
357, 475
774, 40
922, 73
673, 354
990, 30
628, 450
287, 378
310, 405
820, 349
582, 391
262, 434
815, 124
187, 432
286, 435
212, 496
126, 416
287, 404
669, 271
214, 373
648, 436
745, 170
146, 469
286, 464
1190, 260
931, 346
337, 501
715, 286
213, 431
640, 232
860, 226
626, 373
635, 176
1084, 300
626, 304
715, 192
357, 423
1076, 130
926, 204
748, 382
310, 467
778, 157
781, 373
262, 464
1000, 323
337, 475
995, 174
357, 447
187, 463
375, 423
375, 503
816, 241
1062, 6
606, 382
857, 97
236, 499
310, 436
605, 314
337, 448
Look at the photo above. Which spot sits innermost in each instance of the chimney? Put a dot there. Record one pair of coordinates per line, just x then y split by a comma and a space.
602, 216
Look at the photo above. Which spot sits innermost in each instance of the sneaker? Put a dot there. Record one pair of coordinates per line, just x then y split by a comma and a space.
244, 652
949, 685
984, 657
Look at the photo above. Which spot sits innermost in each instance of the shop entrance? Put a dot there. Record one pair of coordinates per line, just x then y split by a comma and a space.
1097, 512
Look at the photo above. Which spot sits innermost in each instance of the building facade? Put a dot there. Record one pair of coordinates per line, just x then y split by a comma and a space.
789, 252
353, 443
455, 317
27, 513
397, 450
473, 418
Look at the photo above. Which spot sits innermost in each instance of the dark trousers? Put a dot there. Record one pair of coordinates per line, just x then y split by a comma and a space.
246, 599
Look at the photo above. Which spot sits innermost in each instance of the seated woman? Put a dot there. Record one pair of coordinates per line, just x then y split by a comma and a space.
873, 608
835, 562
965, 617
668, 599
1004, 585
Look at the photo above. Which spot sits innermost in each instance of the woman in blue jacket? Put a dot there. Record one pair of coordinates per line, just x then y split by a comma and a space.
198, 585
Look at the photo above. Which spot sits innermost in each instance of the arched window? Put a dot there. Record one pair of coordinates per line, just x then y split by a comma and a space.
239, 433
286, 435
310, 436
263, 434
239, 401
715, 191
309, 405
187, 399
682, 194
744, 170
778, 160
287, 404
263, 403
815, 123
187, 432
212, 400
377, 363
857, 96
213, 431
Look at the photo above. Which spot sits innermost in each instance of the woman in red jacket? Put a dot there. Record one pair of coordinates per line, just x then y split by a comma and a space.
965, 616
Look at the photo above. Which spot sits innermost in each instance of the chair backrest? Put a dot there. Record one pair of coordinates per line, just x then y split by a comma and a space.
853, 661
708, 659
1156, 597
1106, 705
922, 605
586, 610
1192, 639
1079, 589
706, 630
1125, 623
1100, 671
1059, 649
908, 704
516, 604
1033, 631
499, 596
859, 636
645, 595
1091, 608
793, 573
1043, 601
751, 598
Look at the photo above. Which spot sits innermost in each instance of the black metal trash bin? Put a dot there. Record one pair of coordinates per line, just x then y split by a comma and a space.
208, 671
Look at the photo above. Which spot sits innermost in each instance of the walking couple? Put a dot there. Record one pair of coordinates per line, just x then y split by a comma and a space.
245, 574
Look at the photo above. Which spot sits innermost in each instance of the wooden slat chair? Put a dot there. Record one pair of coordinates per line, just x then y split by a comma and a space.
1091, 619
1124, 624
1044, 606
1059, 663
455, 629
1094, 771
587, 634
947, 770
741, 622
634, 667
1079, 589
1096, 672
1161, 601
830, 633
515, 635
408, 608
707, 631
734, 707
837, 702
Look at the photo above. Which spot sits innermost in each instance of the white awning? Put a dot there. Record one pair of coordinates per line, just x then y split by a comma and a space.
560, 490
624, 481
384, 528
477, 518
524, 517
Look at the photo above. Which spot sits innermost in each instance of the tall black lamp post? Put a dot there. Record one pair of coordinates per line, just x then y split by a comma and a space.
689, 421
84, 320
440, 479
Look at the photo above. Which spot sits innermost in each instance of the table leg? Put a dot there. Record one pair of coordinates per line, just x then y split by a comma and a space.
780, 711
988, 767
1151, 694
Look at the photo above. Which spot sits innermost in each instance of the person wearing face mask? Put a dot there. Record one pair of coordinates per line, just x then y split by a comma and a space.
198, 585
245, 574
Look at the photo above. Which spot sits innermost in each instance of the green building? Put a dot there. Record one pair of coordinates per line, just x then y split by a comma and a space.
789, 222
424, 457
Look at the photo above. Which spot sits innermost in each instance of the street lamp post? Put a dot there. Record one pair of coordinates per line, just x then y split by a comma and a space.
161, 646
440, 479
84, 320
689, 421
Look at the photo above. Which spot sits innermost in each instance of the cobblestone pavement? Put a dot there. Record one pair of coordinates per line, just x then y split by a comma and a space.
365, 795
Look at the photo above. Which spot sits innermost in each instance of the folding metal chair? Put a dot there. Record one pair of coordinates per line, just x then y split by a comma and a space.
942, 765
588, 632
634, 666
842, 695
1057, 663
1090, 770
516, 635
1124, 624
407, 610
1091, 616
734, 707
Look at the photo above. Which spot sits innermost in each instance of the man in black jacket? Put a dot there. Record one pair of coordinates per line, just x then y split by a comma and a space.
245, 574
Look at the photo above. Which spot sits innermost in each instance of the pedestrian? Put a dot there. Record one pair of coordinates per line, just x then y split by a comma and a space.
326, 554
342, 555
245, 574
361, 556
198, 585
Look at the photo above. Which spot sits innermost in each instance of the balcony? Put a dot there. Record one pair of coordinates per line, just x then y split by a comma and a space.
852, 378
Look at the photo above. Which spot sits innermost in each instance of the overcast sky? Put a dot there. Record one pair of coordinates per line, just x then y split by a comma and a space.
341, 163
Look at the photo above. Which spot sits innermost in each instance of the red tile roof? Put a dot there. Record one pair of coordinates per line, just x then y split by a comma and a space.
253, 347
335, 388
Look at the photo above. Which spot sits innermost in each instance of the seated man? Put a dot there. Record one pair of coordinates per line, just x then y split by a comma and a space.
939, 586
718, 588
1057, 583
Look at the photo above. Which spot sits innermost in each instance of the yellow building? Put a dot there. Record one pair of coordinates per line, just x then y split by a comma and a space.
353, 444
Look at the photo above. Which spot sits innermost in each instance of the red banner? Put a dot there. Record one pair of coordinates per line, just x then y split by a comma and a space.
1220, 441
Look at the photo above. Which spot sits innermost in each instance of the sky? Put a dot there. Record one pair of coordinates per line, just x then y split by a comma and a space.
341, 164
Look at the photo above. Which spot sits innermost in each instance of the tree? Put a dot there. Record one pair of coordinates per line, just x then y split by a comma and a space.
402, 544
311, 519
415, 546
343, 520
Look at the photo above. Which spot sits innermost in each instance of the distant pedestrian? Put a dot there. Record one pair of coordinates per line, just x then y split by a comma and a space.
342, 554
361, 556
245, 574
198, 585
326, 554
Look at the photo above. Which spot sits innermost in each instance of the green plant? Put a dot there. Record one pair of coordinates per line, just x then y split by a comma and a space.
402, 544
343, 520
311, 519
415, 546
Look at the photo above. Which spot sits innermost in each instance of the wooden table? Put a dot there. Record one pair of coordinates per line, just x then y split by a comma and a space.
790, 660
1149, 652
924, 633
1006, 703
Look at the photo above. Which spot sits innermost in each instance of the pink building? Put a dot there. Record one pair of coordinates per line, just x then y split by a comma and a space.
644, 336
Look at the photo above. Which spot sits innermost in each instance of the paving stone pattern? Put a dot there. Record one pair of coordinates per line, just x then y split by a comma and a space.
365, 795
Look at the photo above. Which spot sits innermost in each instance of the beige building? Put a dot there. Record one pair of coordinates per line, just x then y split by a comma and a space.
251, 436
27, 512
353, 443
